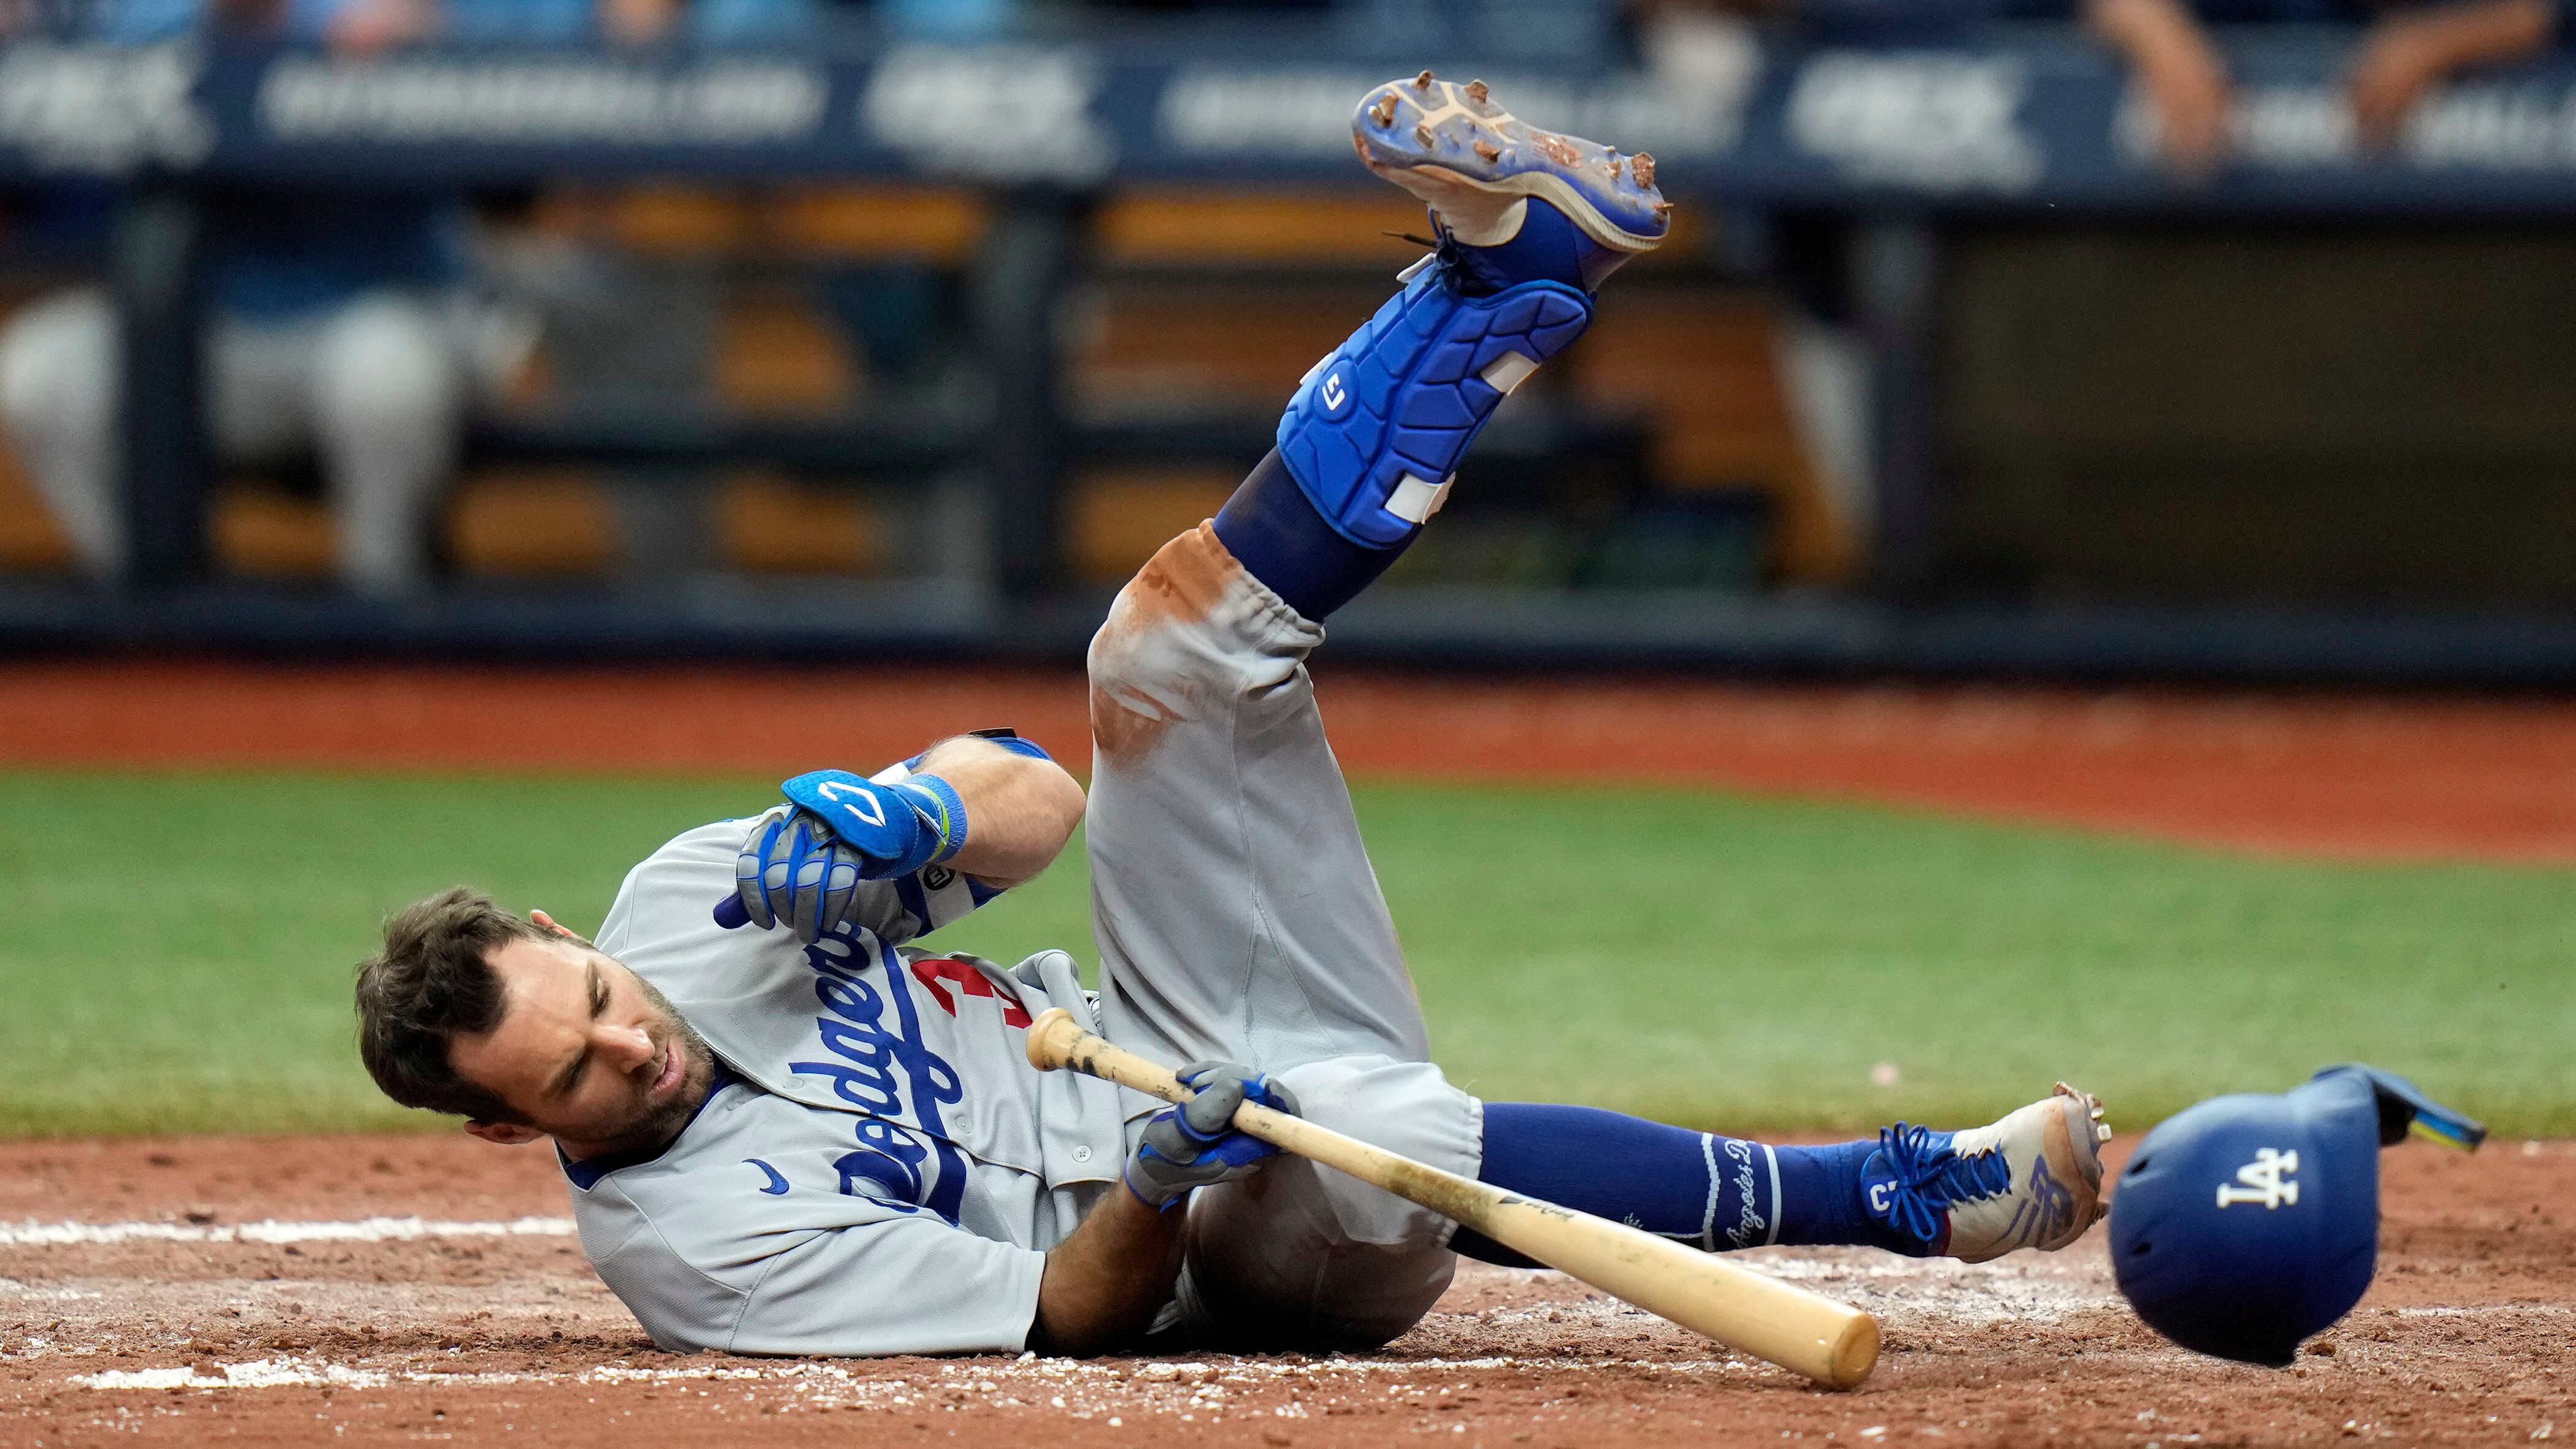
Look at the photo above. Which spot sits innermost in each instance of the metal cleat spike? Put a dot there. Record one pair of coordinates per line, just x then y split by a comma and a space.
1423, 135
1489, 151
1477, 92
1644, 166
1422, 82
1663, 208
1384, 111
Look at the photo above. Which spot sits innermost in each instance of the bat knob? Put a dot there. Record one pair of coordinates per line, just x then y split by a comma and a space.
1052, 1038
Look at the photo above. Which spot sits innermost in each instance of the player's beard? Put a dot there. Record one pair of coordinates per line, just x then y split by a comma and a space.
661, 1121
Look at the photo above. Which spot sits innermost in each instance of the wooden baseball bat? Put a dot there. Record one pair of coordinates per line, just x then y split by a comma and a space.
1805, 1333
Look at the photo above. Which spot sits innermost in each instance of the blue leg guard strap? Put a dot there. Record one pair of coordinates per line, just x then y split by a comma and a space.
1375, 432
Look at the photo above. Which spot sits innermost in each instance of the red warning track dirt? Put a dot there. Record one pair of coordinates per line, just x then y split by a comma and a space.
2326, 775
328, 1326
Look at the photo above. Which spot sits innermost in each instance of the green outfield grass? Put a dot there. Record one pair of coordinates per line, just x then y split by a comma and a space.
176, 949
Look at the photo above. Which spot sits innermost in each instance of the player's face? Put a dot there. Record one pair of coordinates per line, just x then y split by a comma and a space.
587, 1051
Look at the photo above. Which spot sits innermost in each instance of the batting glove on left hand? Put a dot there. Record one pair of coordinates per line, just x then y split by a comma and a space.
1195, 1145
803, 863
792, 872
896, 827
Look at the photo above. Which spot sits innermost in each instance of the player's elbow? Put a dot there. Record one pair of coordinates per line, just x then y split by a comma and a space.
1036, 810
1057, 798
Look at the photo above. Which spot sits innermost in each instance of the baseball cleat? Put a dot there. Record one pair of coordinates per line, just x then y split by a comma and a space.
2032, 1180
1489, 177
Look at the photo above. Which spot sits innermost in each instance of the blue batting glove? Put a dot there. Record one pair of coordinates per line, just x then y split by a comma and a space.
894, 829
803, 864
793, 873
1194, 1145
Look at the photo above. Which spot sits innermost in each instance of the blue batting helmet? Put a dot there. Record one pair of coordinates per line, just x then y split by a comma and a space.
2246, 1223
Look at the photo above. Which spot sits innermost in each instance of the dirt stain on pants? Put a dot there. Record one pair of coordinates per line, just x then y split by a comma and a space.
1140, 685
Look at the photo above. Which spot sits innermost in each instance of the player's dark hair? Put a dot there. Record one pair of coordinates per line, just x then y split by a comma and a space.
432, 983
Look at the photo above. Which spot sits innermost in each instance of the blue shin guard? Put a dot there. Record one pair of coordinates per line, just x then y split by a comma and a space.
1375, 432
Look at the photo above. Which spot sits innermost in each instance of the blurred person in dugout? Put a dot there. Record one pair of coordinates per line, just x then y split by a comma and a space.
347, 326
2408, 50
2408, 47
627, 331
337, 324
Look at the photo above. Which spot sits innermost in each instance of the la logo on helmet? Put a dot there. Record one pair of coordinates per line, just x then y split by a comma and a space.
2261, 1181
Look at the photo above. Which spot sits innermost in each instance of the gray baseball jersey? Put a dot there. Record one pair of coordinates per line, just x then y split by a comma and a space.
881, 1171
878, 1127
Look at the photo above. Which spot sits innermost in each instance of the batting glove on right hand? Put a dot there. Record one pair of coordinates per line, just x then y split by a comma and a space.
1195, 1145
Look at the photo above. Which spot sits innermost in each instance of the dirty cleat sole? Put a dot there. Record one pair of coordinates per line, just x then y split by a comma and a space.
2054, 1148
1474, 164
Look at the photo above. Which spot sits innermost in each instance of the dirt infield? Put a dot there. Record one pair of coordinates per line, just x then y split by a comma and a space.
2328, 775
402, 1289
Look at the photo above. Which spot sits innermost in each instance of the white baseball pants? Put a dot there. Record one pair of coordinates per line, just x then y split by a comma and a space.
1239, 919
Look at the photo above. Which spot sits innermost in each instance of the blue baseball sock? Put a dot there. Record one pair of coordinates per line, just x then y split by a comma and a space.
1716, 1193
1279, 538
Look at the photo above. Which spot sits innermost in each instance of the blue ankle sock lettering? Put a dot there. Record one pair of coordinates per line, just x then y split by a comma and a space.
1658, 1178
1279, 538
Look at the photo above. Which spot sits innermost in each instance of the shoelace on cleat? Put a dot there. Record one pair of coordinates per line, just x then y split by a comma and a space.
1466, 274
1928, 1179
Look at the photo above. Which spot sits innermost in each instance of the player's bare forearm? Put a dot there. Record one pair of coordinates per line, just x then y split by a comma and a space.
1020, 810
2147, 32
2480, 32
2409, 54
2178, 68
1104, 1284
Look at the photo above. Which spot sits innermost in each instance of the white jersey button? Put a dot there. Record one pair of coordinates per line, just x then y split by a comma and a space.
1082, 1154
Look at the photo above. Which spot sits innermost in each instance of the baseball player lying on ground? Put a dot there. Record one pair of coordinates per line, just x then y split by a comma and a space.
789, 1133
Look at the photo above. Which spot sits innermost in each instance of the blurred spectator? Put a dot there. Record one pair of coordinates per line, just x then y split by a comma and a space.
1534, 31
629, 331
2409, 47
338, 325
2408, 50
1842, 22
950, 21
626, 22
1204, 7
53, 19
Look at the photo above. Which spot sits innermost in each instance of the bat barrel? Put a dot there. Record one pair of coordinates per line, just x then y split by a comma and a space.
1806, 1333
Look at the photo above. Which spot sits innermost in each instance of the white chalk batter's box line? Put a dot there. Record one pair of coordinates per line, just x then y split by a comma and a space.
1204, 1382
1208, 1385
1161, 1387
33, 1234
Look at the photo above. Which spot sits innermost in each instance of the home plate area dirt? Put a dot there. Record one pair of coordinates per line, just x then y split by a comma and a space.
363, 1290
